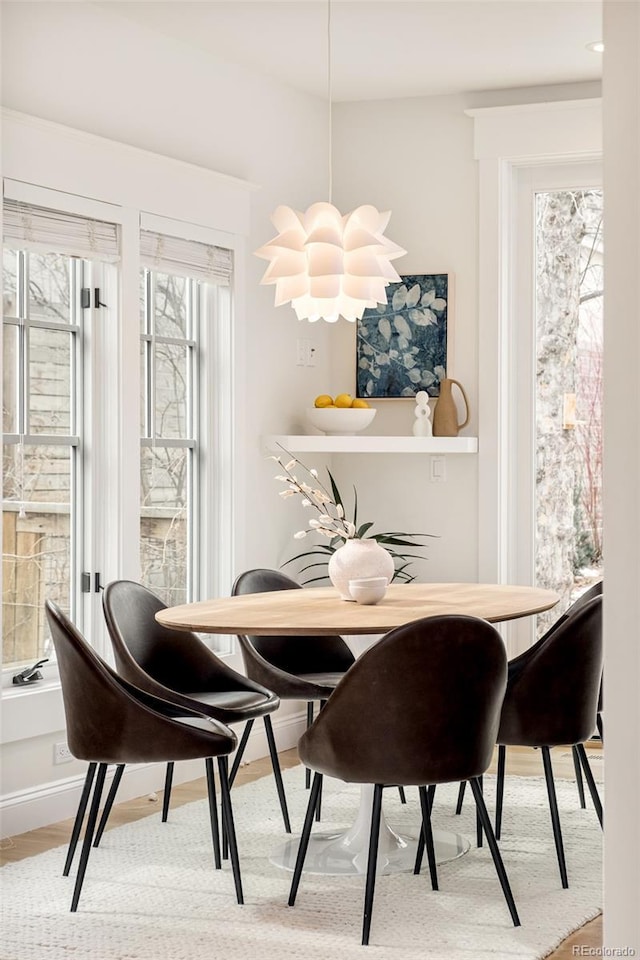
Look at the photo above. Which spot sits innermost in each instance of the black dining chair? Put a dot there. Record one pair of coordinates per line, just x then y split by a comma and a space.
427, 722
110, 721
178, 667
552, 700
516, 663
296, 668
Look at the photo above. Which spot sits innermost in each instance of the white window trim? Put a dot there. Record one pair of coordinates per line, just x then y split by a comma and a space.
48, 164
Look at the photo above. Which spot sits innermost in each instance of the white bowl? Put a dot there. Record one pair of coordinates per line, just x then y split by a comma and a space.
340, 421
368, 589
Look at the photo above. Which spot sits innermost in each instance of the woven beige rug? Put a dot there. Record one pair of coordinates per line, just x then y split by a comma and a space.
151, 892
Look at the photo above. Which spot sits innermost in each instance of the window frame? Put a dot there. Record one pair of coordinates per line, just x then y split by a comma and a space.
75, 328
193, 441
114, 389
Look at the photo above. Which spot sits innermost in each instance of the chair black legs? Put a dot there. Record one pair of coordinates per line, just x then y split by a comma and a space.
426, 805
323, 704
371, 863
478, 817
111, 796
230, 830
92, 836
495, 852
420, 846
307, 771
578, 770
77, 823
555, 817
304, 837
237, 757
273, 750
593, 790
166, 797
425, 839
275, 763
213, 812
502, 756
88, 837
461, 790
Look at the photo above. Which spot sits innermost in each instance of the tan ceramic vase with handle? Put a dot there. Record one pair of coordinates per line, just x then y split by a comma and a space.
445, 415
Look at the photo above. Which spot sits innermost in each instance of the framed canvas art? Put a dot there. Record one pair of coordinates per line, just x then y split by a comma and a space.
401, 346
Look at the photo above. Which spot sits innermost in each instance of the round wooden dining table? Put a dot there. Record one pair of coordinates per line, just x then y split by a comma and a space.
320, 611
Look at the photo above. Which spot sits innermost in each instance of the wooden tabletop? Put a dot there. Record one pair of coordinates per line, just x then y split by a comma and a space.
321, 611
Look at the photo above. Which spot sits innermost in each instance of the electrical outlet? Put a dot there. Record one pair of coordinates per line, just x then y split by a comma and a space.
311, 354
302, 351
438, 472
61, 753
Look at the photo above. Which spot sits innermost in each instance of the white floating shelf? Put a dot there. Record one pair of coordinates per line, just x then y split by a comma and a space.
369, 444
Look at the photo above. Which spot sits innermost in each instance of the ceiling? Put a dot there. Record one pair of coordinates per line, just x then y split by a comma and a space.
383, 49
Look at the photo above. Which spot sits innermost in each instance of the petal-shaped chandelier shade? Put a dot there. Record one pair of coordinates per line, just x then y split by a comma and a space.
329, 265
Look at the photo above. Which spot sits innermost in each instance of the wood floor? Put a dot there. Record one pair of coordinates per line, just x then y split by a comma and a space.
520, 761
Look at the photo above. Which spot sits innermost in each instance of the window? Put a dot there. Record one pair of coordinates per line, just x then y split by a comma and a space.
170, 449
185, 315
42, 457
69, 380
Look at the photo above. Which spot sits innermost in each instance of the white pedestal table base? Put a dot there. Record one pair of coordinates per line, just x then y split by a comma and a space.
346, 853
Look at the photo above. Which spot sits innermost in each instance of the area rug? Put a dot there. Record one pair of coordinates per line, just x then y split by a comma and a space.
151, 892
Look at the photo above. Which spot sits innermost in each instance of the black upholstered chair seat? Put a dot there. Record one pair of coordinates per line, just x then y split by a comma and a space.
235, 705
407, 713
296, 668
109, 720
552, 699
325, 681
178, 667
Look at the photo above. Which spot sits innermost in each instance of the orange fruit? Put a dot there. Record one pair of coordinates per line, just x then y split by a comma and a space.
360, 404
344, 400
324, 400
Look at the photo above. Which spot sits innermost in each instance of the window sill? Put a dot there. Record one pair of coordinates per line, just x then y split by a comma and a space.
31, 711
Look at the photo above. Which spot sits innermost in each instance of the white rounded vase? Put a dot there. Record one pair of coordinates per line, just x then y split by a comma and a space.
356, 559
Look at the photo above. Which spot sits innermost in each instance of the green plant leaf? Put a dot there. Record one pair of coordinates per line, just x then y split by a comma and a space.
363, 529
335, 491
320, 551
316, 580
395, 541
310, 566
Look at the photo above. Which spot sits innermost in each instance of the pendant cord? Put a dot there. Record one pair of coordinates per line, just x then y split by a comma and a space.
329, 97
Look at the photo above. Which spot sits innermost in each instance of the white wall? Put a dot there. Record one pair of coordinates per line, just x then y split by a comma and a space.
622, 473
415, 157
86, 67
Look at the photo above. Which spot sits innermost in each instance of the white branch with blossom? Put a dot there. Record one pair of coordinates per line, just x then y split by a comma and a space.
330, 521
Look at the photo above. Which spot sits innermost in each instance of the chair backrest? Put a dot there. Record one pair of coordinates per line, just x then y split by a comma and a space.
553, 698
316, 654
108, 720
421, 706
144, 648
595, 590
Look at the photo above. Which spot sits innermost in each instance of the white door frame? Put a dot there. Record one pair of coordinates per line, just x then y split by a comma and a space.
507, 139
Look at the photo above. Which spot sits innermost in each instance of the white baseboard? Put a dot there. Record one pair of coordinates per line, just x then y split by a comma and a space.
51, 802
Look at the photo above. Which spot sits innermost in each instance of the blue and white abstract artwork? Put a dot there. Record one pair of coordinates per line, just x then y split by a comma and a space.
402, 345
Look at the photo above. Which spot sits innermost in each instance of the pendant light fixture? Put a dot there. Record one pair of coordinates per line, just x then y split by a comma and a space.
326, 264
